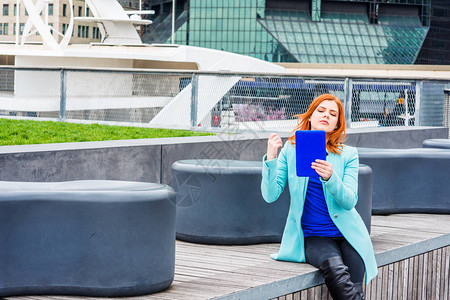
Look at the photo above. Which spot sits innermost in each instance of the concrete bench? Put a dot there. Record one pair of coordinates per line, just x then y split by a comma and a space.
220, 202
436, 143
409, 180
90, 238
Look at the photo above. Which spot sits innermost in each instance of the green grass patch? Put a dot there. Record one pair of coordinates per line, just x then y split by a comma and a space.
25, 132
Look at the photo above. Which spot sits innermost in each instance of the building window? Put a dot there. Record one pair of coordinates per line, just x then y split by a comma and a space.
15, 8
1, 28
87, 31
5, 29
51, 27
79, 11
50, 9
5, 9
79, 30
22, 26
96, 34
64, 12
87, 12
63, 28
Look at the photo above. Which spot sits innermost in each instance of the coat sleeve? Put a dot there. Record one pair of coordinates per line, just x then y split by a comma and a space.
345, 190
274, 176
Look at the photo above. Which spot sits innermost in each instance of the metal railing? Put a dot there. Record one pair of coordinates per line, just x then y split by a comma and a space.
211, 100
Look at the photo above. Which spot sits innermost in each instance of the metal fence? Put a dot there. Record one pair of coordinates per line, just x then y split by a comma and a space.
211, 101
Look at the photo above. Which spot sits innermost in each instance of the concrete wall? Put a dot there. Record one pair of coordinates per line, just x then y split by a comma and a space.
150, 160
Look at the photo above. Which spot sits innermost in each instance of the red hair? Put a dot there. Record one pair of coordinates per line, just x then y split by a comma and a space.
336, 138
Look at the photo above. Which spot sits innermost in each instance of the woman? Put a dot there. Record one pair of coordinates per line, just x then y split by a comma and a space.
322, 227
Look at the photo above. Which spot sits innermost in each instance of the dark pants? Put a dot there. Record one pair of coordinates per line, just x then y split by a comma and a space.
319, 248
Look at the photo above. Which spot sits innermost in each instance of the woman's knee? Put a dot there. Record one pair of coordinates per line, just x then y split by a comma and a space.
319, 249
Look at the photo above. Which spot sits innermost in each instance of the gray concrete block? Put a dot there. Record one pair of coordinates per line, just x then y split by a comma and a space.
150, 160
139, 163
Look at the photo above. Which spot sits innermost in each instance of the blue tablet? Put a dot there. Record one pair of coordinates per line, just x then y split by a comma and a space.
309, 146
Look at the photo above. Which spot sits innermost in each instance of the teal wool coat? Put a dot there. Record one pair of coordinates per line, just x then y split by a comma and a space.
340, 194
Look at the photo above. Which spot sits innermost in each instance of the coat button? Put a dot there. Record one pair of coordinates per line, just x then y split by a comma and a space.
335, 215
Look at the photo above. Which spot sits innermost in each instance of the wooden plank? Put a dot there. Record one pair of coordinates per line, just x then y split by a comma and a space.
395, 280
447, 274
419, 276
304, 294
444, 279
289, 268
311, 293
368, 290
441, 273
416, 277
317, 293
434, 276
390, 281
400, 280
438, 273
410, 278
384, 283
323, 292
373, 287
379, 283
405, 280
399, 219
425, 276
429, 275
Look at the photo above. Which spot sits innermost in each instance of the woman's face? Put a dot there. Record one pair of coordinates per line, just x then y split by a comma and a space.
325, 117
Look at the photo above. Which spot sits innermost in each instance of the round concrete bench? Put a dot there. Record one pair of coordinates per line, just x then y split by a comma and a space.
220, 202
436, 143
364, 204
90, 238
409, 180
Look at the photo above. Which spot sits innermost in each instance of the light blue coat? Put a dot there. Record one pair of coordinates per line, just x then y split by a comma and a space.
340, 194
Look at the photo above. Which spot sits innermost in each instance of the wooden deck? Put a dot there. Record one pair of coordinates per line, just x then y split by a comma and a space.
247, 272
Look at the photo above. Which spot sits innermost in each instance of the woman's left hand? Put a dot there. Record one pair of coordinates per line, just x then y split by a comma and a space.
323, 168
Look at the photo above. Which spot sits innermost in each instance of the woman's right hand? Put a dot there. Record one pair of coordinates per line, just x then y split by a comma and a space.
273, 144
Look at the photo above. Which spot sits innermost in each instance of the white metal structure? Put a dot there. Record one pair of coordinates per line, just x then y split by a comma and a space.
34, 10
121, 47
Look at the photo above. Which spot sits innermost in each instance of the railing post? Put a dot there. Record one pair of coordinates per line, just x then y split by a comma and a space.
406, 108
417, 108
348, 92
194, 100
62, 96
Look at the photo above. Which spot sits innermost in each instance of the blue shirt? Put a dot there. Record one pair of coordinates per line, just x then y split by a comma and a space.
316, 220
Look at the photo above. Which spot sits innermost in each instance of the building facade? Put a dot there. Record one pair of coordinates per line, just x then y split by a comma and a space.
436, 48
310, 31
